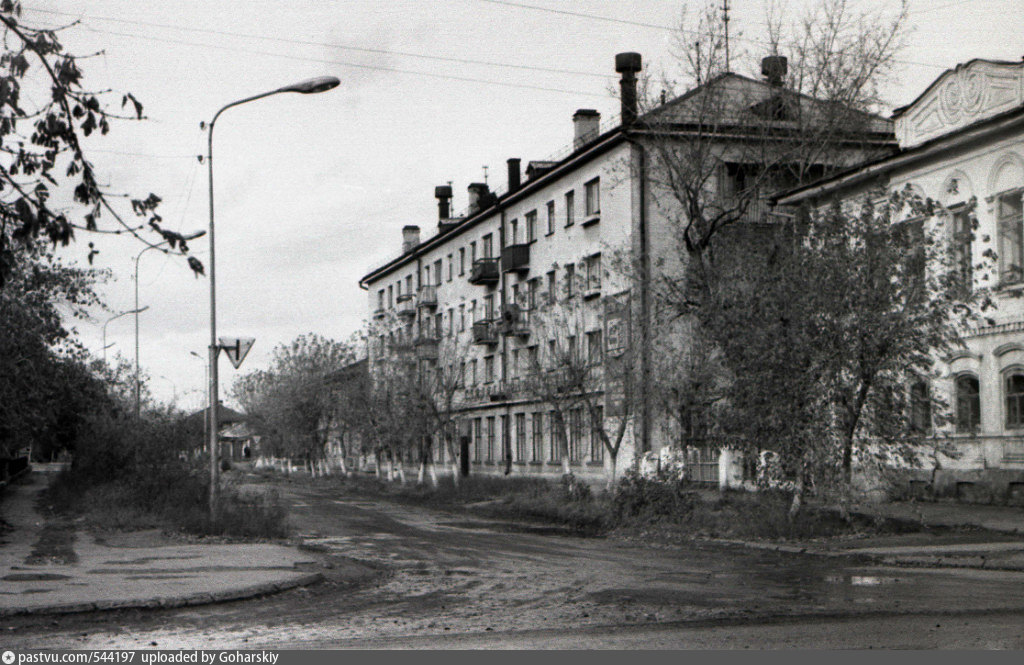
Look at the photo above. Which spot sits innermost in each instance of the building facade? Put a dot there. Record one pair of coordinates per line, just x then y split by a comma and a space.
962, 145
539, 299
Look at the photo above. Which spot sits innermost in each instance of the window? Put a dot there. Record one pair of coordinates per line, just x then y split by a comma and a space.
380, 299
488, 240
570, 208
968, 404
513, 233
1011, 237
489, 306
488, 369
571, 348
462, 317
477, 441
1015, 399
391, 299
593, 202
570, 279
557, 436
490, 438
911, 239
462, 374
513, 370
472, 252
575, 434
537, 444
451, 321
521, 437
515, 295
531, 226
593, 276
437, 273
438, 324
596, 443
920, 408
426, 276
594, 347
532, 359
451, 267
462, 261
472, 311
962, 235
551, 217
551, 287
408, 284
472, 371
533, 288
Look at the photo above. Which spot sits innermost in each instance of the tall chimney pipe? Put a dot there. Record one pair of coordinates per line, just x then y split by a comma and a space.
514, 177
443, 194
477, 193
628, 64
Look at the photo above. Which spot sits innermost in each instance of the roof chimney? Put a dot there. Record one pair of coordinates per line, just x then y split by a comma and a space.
478, 196
443, 194
514, 178
774, 69
410, 238
628, 64
586, 126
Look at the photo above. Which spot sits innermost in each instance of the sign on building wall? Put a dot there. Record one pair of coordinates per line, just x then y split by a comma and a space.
617, 336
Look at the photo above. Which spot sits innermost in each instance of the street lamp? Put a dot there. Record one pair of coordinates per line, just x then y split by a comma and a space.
116, 316
192, 236
313, 85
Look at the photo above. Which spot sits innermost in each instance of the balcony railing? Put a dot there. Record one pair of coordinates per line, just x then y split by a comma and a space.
484, 332
515, 321
426, 347
378, 313
427, 296
485, 271
515, 258
406, 305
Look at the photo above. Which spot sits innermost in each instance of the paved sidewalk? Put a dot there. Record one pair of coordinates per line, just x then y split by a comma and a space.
1004, 519
83, 573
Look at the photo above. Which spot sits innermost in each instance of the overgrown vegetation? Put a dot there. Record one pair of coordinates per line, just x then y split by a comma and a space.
638, 506
139, 473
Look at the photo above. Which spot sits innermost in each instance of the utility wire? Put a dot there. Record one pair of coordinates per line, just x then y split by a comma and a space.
355, 65
301, 42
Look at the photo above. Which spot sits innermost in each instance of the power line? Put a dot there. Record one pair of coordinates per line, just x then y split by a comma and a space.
355, 65
358, 49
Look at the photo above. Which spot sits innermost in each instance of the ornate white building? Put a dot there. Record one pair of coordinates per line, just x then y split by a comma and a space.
962, 144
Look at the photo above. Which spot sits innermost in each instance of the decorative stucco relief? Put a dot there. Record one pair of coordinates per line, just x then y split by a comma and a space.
959, 97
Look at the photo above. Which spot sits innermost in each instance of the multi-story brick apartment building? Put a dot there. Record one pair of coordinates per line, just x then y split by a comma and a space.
962, 144
549, 269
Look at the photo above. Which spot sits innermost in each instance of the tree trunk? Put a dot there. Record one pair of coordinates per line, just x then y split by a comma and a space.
611, 471
422, 472
566, 471
798, 497
376, 458
433, 474
456, 472
391, 470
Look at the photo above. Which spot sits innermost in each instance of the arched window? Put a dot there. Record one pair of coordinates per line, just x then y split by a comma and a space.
1015, 399
921, 407
968, 403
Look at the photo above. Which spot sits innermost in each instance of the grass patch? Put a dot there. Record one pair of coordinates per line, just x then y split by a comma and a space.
636, 507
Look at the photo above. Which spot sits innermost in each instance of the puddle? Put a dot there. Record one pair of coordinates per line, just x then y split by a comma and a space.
862, 580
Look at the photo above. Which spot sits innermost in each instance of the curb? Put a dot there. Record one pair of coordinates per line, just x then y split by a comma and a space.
224, 596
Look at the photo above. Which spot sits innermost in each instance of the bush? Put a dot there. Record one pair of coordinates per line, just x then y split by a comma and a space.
140, 473
638, 499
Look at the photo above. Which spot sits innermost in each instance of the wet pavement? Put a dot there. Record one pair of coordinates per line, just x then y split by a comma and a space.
484, 582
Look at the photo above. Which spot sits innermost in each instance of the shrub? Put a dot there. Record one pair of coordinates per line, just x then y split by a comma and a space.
139, 473
641, 499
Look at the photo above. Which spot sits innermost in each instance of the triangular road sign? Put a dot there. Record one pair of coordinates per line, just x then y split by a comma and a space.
236, 348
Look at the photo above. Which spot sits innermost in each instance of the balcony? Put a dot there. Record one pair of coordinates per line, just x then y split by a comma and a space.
485, 332
379, 313
515, 321
426, 347
515, 258
485, 271
406, 305
427, 297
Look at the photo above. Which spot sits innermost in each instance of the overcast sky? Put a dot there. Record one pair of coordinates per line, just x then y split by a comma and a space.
312, 191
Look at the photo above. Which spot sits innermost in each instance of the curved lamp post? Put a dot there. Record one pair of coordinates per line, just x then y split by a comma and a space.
192, 236
116, 316
309, 86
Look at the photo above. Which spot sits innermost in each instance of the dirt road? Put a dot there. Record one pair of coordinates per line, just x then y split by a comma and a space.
436, 580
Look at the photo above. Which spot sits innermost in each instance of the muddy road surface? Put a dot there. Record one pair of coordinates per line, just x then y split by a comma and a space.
405, 577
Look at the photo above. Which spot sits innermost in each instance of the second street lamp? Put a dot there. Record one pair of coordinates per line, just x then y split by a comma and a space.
313, 85
192, 236
116, 316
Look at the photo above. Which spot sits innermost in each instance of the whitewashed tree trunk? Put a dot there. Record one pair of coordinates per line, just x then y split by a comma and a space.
455, 472
391, 470
421, 472
400, 471
432, 470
